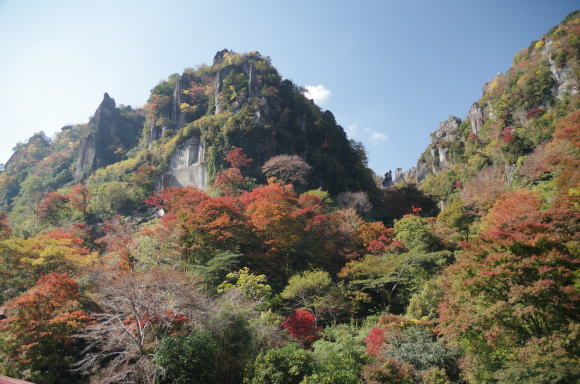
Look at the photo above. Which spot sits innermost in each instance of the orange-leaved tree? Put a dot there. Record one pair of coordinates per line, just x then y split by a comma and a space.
511, 301
37, 334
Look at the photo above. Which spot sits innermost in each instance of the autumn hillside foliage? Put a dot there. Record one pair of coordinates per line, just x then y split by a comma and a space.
292, 266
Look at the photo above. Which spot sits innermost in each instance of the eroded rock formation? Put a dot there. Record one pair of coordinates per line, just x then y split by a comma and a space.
476, 117
186, 165
108, 136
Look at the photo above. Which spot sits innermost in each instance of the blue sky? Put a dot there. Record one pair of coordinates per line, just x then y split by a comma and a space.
390, 70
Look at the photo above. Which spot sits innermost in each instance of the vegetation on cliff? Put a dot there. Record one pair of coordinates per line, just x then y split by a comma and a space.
292, 266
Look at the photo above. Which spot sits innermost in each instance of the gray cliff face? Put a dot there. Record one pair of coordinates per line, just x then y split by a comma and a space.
109, 135
187, 166
438, 150
476, 117
177, 119
101, 125
566, 82
399, 175
176, 115
440, 141
422, 171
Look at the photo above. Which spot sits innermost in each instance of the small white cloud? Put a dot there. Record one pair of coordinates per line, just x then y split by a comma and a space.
318, 93
352, 130
378, 137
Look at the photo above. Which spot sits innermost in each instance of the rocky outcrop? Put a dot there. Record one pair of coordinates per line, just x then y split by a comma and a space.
186, 165
476, 117
400, 176
387, 180
219, 56
422, 171
22, 153
437, 155
564, 75
108, 136
440, 142
177, 117
253, 86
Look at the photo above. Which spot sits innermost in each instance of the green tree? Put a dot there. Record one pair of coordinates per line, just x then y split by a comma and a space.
424, 303
339, 357
252, 286
285, 365
415, 232
390, 280
316, 291
189, 359
455, 216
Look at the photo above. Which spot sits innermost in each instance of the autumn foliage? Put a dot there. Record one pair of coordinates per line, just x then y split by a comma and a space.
513, 289
55, 205
270, 224
4, 226
304, 273
231, 181
39, 327
301, 324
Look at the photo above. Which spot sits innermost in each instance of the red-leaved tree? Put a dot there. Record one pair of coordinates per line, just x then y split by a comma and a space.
79, 197
301, 325
5, 229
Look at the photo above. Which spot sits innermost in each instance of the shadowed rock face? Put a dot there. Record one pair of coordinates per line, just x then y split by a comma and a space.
109, 135
387, 180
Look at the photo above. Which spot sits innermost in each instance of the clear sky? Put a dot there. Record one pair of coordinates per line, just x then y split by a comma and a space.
389, 70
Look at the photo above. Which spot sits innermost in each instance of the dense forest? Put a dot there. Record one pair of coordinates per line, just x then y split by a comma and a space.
229, 232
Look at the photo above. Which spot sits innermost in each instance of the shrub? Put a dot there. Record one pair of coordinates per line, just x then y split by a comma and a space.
285, 365
189, 359
415, 233
290, 169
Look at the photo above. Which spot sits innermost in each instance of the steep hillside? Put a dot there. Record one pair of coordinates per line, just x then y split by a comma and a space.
181, 139
241, 101
515, 116
171, 245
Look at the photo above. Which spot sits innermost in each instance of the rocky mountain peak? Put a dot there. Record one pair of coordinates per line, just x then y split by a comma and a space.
107, 137
219, 56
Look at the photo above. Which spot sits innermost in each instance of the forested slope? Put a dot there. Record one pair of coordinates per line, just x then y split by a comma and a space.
230, 233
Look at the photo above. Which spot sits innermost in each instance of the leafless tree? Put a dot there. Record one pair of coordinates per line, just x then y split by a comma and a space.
358, 201
137, 310
290, 169
482, 191
348, 222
